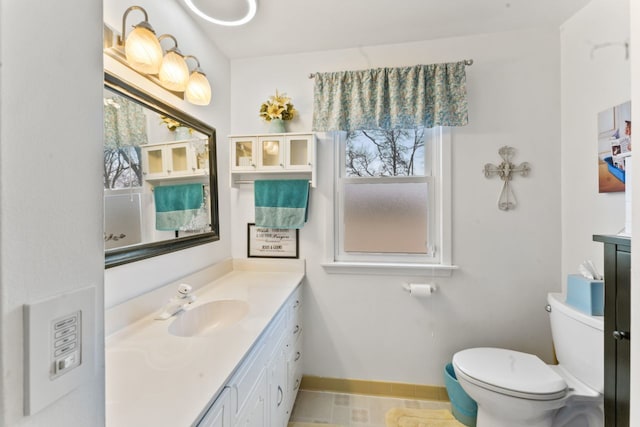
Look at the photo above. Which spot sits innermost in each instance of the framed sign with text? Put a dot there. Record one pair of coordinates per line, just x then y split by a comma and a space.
264, 242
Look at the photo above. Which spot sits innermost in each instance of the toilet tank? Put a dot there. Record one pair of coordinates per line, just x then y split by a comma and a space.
579, 342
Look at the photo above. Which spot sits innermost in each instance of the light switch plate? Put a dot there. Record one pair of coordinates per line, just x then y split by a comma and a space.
59, 347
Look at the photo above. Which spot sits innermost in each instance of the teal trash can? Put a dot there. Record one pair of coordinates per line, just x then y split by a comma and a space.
464, 408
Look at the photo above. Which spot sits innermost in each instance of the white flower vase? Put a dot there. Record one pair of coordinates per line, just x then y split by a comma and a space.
182, 133
277, 126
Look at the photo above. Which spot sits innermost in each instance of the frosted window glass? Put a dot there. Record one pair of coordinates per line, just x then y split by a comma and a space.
386, 218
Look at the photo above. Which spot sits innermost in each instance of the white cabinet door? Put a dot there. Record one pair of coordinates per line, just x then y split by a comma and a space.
244, 153
278, 401
271, 153
299, 152
219, 415
180, 160
154, 163
255, 413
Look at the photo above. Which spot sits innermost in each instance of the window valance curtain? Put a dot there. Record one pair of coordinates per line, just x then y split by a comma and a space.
125, 123
391, 98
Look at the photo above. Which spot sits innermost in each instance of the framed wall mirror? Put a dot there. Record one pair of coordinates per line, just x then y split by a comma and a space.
160, 177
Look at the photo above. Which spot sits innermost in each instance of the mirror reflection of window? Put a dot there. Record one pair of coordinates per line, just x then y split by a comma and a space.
125, 130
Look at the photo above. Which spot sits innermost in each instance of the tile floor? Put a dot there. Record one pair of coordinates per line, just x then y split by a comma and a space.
351, 410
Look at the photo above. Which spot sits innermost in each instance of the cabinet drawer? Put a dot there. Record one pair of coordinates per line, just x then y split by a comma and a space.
294, 367
295, 306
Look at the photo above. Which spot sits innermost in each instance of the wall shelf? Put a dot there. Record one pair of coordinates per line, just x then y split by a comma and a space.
272, 156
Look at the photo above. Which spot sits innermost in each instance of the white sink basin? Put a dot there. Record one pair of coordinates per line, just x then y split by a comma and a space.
208, 318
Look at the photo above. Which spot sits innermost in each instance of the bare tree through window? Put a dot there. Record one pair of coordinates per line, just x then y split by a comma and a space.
380, 153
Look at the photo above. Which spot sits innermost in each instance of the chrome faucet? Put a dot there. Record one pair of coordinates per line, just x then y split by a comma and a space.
177, 303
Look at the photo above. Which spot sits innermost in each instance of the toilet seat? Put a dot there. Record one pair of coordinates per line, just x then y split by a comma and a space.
510, 373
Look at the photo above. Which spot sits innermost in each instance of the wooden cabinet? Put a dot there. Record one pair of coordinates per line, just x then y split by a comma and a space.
289, 154
175, 159
617, 329
263, 389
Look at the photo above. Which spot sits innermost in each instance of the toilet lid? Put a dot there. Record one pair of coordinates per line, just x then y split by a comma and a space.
510, 372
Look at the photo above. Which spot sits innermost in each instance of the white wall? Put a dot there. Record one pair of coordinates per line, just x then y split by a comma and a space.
50, 185
366, 326
130, 280
591, 83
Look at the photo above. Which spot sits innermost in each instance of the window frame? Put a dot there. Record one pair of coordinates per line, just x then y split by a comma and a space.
438, 178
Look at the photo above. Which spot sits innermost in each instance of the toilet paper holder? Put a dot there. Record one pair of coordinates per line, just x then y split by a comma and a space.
423, 286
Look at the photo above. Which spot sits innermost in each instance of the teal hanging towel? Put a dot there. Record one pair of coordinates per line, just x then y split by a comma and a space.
177, 205
281, 203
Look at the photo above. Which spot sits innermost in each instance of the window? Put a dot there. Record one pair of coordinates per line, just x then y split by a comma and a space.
392, 198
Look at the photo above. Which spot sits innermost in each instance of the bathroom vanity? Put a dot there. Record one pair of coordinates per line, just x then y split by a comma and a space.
243, 367
617, 326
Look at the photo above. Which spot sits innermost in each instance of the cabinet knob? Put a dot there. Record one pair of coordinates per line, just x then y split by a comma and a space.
622, 335
281, 165
548, 308
298, 355
296, 329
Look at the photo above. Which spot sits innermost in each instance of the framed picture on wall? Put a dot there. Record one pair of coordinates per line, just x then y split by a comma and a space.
265, 242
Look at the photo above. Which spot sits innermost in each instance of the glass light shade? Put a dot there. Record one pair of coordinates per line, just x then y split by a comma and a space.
174, 73
143, 50
198, 90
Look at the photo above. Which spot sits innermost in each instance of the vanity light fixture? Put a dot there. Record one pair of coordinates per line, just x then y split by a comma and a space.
141, 51
253, 7
174, 73
141, 47
198, 89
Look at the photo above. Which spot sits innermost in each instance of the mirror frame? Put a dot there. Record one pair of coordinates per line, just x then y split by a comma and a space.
133, 253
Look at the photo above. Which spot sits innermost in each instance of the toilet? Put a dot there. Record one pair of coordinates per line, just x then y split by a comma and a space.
514, 389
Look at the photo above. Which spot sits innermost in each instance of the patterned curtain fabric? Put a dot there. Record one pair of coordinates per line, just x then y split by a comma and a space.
391, 98
125, 123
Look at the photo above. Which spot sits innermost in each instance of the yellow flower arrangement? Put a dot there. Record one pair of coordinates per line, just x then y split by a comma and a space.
171, 124
278, 106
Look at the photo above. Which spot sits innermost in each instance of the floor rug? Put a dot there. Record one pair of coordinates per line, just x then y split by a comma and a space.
408, 417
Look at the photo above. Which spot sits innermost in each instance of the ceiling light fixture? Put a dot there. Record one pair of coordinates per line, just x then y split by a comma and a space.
142, 52
253, 7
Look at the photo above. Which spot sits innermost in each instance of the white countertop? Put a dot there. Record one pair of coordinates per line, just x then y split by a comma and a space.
154, 378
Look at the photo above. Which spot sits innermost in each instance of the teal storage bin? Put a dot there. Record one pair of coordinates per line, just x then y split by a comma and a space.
463, 407
585, 294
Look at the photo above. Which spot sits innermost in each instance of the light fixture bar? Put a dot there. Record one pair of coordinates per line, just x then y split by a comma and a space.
142, 52
253, 7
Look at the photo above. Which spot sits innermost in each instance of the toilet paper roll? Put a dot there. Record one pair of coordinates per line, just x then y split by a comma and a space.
420, 290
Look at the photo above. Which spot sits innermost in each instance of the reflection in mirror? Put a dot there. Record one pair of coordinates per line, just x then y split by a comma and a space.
160, 191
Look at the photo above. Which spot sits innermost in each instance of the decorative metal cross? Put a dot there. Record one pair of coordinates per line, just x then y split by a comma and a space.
504, 170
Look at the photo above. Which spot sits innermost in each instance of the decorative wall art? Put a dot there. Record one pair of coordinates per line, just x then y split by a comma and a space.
614, 147
264, 242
